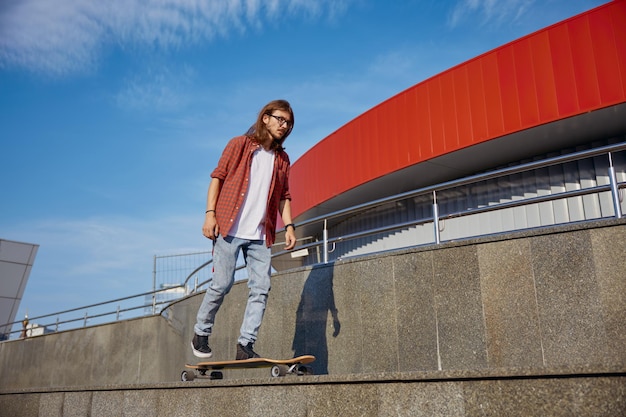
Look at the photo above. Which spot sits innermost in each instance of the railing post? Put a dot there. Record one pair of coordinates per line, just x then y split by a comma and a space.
436, 218
24, 333
614, 188
154, 273
325, 234
86, 316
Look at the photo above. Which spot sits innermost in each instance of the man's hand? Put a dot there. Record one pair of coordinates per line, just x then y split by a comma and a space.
290, 238
210, 229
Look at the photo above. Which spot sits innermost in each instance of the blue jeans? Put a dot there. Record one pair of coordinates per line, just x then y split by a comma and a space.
258, 263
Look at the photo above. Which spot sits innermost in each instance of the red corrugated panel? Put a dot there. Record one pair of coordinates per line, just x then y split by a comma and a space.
618, 20
463, 106
399, 132
605, 54
576, 66
563, 67
408, 126
507, 69
375, 141
477, 104
543, 70
584, 63
422, 121
389, 145
493, 99
437, 109
344, 160
526, 85
449, 119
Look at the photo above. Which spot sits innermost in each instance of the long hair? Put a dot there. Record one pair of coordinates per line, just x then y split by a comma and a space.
259, 130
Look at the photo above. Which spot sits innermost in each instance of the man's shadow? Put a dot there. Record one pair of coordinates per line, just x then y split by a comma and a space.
316, 302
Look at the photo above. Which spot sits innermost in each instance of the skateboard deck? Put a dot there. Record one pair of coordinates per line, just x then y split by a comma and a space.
279, 367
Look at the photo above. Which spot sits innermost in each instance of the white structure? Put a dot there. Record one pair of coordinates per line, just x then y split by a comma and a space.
16, 262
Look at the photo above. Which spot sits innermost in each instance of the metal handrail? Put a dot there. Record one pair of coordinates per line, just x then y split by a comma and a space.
468, 180
194, 272
457, 214
84, 319
614, 187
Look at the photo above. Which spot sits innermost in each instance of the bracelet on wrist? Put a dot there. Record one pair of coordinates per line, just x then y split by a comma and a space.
292, 225
208, 211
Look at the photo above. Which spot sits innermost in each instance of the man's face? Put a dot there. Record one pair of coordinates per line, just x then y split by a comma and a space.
278, 123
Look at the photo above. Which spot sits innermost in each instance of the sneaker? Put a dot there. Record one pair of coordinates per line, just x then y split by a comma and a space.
200, 346
246, 352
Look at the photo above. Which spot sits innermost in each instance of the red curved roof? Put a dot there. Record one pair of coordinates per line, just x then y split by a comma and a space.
568, 69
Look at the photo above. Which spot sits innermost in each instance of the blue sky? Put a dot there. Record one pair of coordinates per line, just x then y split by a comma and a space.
114, 113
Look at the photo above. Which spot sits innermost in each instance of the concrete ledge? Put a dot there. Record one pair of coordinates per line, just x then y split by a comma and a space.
565, 391
378, 377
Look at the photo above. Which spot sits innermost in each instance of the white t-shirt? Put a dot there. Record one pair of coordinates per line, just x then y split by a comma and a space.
250, 222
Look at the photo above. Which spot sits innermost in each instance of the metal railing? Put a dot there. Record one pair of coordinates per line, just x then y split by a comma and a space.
614, 187
92, 319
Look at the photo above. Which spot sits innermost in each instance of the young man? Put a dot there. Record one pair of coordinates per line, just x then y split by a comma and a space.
249, 187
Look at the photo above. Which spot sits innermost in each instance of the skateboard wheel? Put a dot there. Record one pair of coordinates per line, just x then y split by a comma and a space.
216, 375
279, 370
187, 376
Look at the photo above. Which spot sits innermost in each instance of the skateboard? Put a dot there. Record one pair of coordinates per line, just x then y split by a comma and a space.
278, 367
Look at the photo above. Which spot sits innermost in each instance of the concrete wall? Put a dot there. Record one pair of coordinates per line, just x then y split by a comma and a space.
545, 298
539, 299
133, 351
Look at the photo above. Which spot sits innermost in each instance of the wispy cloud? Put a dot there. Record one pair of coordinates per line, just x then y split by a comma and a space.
103, 246
157, 88
484, 11
67, 36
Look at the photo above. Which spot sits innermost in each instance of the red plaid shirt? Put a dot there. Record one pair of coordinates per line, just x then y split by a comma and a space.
233, 169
